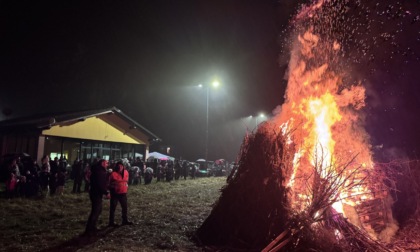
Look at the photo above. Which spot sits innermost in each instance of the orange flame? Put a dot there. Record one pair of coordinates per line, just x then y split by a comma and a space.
323, 115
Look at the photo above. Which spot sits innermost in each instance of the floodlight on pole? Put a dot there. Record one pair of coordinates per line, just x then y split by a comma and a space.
256, 119
214, 84
262, 115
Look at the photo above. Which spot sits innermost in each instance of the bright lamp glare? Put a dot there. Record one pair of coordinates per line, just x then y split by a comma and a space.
262, 115
200, 85
215, 84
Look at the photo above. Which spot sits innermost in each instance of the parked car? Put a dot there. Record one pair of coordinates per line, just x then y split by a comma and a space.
220, 167
219, 170
201, 168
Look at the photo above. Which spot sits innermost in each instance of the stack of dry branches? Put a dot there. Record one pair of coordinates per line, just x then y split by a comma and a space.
318, 226
403, 179
252, 208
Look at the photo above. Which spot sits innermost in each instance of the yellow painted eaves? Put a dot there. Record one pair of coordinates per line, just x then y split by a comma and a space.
92, 128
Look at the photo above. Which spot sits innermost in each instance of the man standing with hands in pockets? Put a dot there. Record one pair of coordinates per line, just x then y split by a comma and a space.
98, 188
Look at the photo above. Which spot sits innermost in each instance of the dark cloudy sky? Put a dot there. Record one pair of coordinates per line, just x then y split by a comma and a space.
146, 57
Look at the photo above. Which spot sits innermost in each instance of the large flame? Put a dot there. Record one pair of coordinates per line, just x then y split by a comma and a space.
323, 115
323, 125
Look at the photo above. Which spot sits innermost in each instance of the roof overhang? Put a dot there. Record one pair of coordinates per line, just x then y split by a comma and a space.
112, 116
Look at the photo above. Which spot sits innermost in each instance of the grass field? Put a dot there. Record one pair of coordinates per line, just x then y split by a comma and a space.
165, 216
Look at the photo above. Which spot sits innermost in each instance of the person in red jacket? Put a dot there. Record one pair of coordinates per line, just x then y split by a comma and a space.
118, 186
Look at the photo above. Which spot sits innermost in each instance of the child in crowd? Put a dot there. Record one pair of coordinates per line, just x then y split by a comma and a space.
11, 185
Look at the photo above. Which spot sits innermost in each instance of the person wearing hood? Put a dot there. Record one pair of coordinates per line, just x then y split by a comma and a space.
118, 185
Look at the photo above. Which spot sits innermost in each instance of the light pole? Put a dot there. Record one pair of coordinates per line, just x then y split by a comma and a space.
215, 84
256, 118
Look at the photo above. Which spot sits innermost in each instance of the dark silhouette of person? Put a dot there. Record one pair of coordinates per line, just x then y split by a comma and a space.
77, 175
45, 173
177, 170
98, 188
53, 175
169, 171
155, 166
148, 175
184, 170
193, 170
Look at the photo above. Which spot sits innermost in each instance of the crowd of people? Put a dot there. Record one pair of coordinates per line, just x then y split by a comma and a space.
101, 179
26, 178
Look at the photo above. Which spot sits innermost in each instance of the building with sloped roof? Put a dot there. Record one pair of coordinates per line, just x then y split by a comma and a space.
102, 133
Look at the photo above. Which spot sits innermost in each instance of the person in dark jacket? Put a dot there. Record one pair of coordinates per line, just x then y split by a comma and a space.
184, 169
148, 175
98, 188
177, 169
77, 175
53, 175
44, 175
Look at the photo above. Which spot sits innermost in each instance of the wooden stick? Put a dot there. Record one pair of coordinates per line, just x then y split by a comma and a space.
275, 241
281, 245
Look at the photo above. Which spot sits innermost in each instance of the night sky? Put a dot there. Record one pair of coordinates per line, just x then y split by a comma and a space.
147, 57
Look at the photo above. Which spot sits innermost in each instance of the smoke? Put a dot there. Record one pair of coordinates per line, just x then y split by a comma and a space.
392, 153
391, 225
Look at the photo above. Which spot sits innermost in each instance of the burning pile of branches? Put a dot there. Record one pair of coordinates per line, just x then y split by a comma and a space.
317, 225
307, 180
255, 208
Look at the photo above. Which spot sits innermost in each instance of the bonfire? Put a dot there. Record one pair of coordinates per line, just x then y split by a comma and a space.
307, 179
